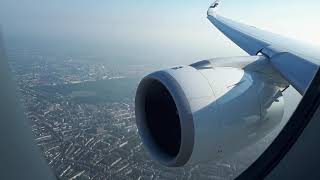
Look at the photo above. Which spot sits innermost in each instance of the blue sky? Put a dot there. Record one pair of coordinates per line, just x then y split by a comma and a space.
165, 29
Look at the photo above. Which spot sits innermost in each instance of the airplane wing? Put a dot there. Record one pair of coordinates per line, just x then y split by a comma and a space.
285, 55
235, 101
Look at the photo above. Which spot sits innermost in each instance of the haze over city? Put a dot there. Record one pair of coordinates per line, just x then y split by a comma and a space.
170, 31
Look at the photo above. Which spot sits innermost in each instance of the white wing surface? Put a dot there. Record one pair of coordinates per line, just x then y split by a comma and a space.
297, 62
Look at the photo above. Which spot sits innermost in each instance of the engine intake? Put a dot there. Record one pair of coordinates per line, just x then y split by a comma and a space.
187, 115
162, 114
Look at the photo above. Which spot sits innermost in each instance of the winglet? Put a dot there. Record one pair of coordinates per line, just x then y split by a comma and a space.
213, 8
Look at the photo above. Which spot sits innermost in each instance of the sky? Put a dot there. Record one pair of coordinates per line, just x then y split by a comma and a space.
151, 30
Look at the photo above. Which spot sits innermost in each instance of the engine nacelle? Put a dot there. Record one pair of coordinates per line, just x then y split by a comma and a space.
187, 115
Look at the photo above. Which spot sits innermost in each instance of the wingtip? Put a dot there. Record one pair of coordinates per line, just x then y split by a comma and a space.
213, 8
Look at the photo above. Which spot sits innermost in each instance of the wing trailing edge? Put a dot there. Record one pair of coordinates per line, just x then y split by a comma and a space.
297, 67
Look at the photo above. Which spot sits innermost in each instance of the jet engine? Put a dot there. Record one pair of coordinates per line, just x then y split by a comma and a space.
208, 110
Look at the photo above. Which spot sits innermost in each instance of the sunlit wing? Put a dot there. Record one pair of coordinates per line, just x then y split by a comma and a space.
297, 62
215, 108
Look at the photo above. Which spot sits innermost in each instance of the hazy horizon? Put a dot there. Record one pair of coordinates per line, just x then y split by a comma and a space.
149, 30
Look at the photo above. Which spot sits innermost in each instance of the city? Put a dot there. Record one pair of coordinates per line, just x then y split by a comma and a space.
82, 117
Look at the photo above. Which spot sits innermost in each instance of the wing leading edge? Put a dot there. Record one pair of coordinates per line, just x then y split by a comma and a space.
296, 66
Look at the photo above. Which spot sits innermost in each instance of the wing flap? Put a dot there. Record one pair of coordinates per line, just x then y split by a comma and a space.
298, 71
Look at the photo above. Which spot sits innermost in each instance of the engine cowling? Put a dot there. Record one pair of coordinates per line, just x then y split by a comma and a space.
187, 115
